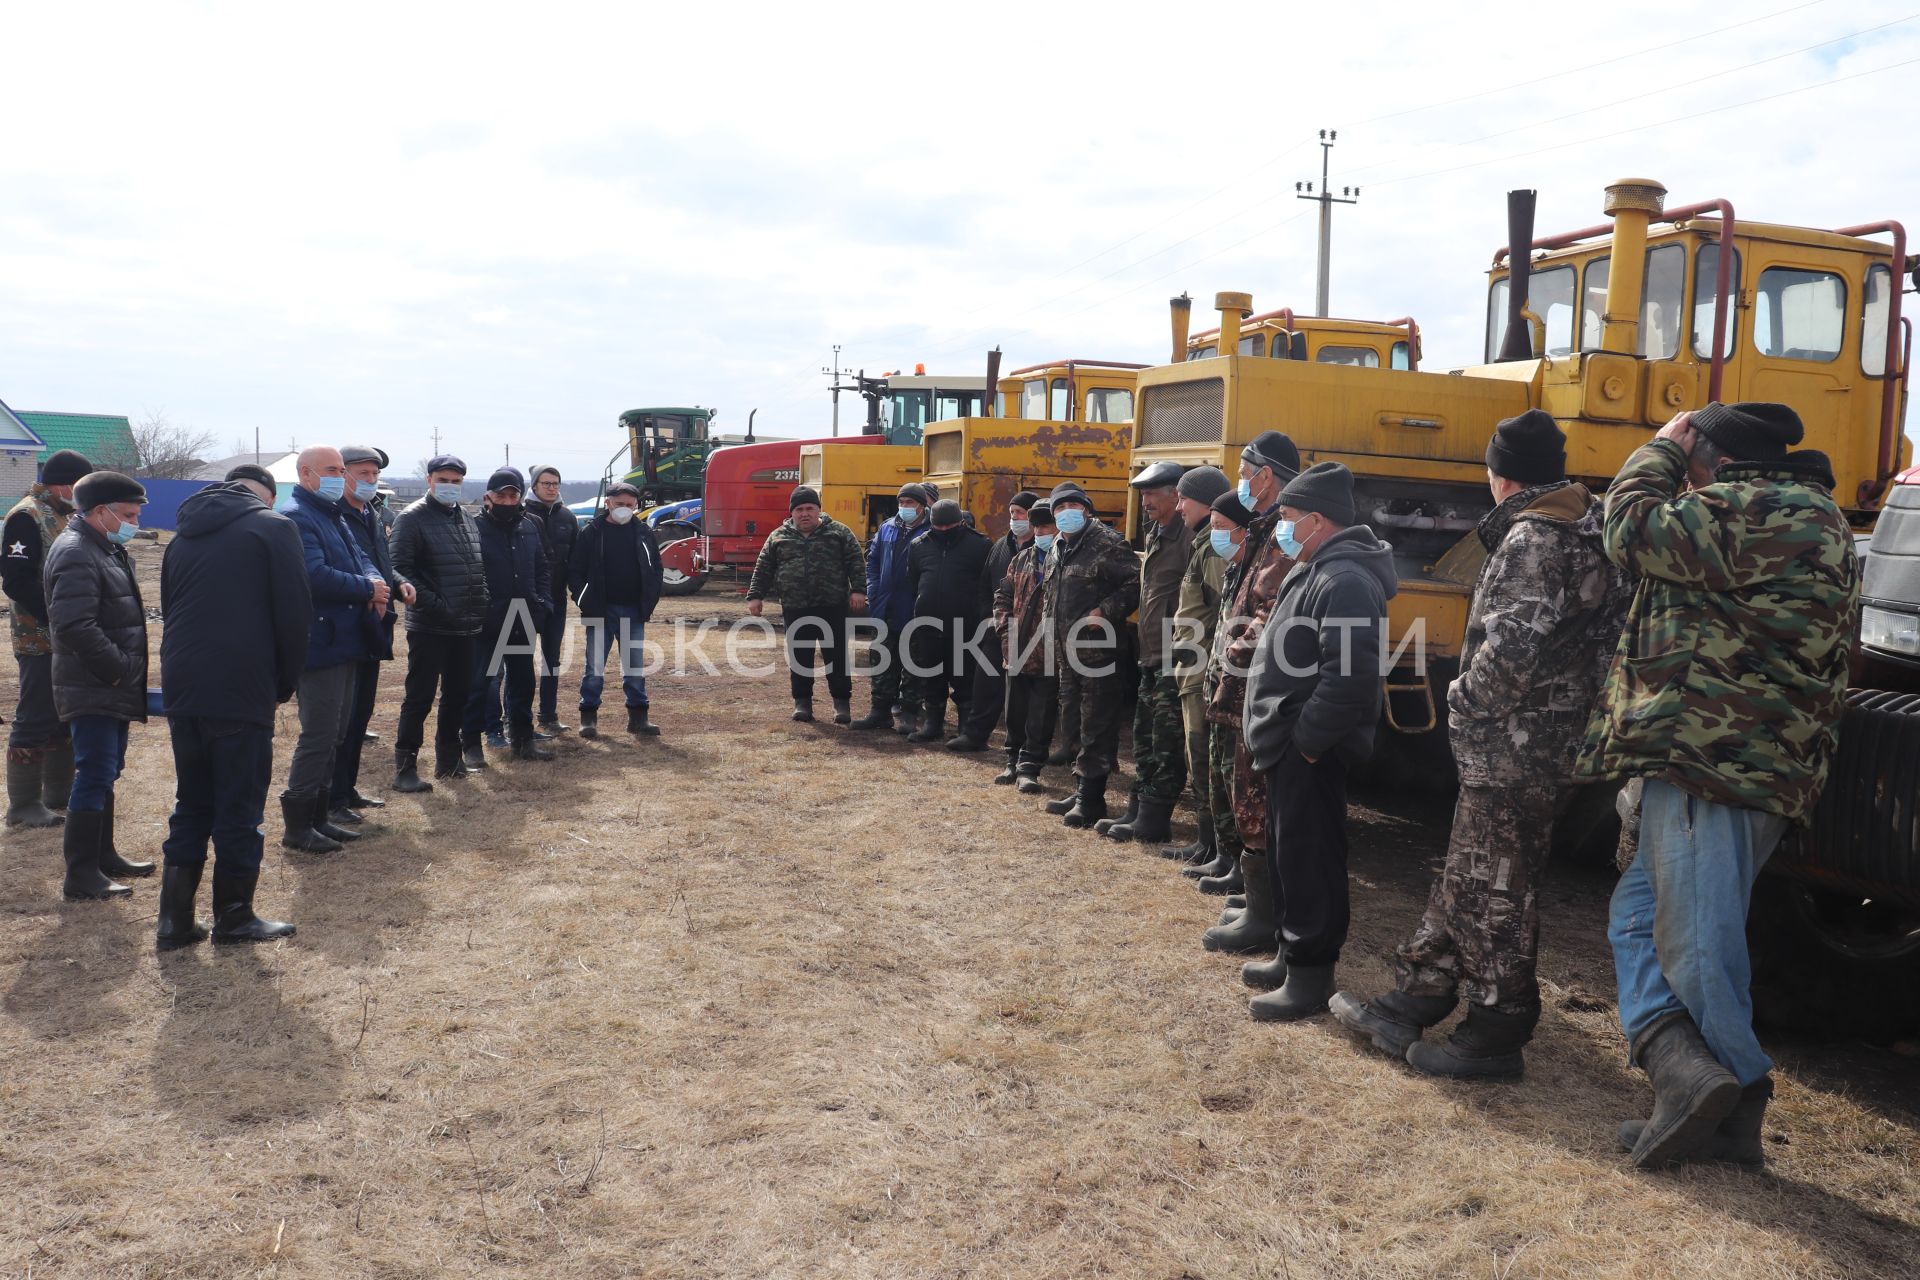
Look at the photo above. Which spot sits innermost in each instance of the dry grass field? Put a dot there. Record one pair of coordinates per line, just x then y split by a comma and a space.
768, 1000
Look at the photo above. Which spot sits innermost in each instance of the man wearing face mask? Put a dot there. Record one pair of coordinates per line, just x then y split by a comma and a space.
1225, 704
514, 557
562, 528
436, 548
1195, 614
943, 572
99, 630
616, 572
989, 678
890, 603
363, 465
1093, 584
1312, 699
350, 600
813, 564
1033, 687
39, 750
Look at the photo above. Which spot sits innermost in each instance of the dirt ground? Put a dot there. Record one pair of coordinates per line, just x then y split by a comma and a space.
760, 999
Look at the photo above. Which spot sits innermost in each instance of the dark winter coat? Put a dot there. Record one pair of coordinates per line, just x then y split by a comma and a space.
889, 594
369, 529
32, 525
514, 557
1317, 687
340, 577
587, 572
99, 627
817, 570
1165, 563
1244, 610
437, 549
999, 560
562, 528
1096, 569
1021, 597
944, 571
234, 597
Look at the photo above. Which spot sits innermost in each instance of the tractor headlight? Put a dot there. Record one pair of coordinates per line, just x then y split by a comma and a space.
1891, 631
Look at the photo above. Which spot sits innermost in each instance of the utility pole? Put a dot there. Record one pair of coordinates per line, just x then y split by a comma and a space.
436, 442
1326, 198
838, 386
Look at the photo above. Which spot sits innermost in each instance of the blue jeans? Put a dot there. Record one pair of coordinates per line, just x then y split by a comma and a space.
221, 770
602, 635
99, 754
1679, 922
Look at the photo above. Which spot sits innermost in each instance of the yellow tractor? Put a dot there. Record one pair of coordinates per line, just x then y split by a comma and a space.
859, 477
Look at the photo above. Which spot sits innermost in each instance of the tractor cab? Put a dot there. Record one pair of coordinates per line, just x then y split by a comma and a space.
899, 406
667, 450
1281, 335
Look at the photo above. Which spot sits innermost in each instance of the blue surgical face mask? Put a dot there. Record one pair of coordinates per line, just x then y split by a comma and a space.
124, 534
1222, 543
1044, 541
1245, 493
1283, 538
909, 513
1019, 528
332, 488
447, 492
365, 489
1070, 520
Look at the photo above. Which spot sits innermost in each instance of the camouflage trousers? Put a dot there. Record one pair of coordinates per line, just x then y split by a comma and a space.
1249, 793
1193, 725
1480, 936
1222, 741
1094, 704
1159, 738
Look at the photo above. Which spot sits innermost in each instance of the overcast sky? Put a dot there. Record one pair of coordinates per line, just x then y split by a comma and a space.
360, 222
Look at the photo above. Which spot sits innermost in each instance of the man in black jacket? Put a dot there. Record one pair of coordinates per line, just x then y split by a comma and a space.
436, 548
562, 529
39, 751
362, 518
616, 575
989, 679
1313, 696
944, 569
514, 556
236, 606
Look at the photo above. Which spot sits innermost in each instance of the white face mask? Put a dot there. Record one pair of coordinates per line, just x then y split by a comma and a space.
621, 515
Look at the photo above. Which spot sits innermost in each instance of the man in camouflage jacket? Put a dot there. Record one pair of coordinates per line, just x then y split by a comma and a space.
1033, 685
814, 565
1545, 618
39, 750
1195, 616
1725, 695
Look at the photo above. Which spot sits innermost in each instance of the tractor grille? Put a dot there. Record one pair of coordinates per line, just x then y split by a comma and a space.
1183, 412
944, 452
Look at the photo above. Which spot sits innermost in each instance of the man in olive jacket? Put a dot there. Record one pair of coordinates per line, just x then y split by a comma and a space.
1726, 696
813, 565
436, 547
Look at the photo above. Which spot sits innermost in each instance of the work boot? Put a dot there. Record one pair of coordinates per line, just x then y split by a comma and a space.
843, 711
233, 918
111, 863
471, 753
1202, 843
1692, 1093
803, 710
80, 844
638, 725
551, 726
1394, 1021
1151, 825
1737, 1139
1305, 994
496, 739
179, 883
1132, 812
56, 776
1009, 775
1486, 1043
1230, 882
406, 773
357, 801
878, 718
321, 823
1256, 928
340, 815
589, 722
1029, 783
26, 771
932, 723
1090, 806
296, 814
448, 761
528, 748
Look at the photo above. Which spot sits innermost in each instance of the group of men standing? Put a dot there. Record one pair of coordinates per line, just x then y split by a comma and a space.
1690, 635
264, 603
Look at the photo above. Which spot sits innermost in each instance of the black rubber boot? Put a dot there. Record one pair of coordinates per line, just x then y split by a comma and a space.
233, 918
1486, 1043
1132, 811
1222, 863
1065, 803
1062, 756
343, 835
933, 721
965, 741
1232, 881
472, 754
878, 718
803, 710
1305, 994
529, 748
1394, 1022
1257, 928
843, 711
406, 773
1089, 806
1151, 825
1236, 902
1203, 843
296, 813
81, 847
357, 801
111, 863
448, 761
638, 725
1692, 1093
26, 774
1009, 775
1029, 781
179, 884
56, 777
906, 720
342, 816
1265, 975
1737, 1139
589, 722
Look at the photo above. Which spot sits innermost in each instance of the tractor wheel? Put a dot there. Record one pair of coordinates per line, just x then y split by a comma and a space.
677, 580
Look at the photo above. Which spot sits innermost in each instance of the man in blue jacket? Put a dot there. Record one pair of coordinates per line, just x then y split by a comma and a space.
513, 555
349, 604
890, 602
364, 464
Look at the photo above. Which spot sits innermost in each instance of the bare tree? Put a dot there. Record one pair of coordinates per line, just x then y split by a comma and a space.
166, 451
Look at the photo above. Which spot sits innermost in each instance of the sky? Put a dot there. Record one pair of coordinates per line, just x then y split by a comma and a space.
363, 223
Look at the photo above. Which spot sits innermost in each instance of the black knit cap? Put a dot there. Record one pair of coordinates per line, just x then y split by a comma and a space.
1528, 449
255, 472
803, 496
1275, 450
947, 513
1024, 499
1068, 491
64, 466
1229, 505
1204, 484
918, 492
98, 487
1041, 512
1324, 487
1751, 431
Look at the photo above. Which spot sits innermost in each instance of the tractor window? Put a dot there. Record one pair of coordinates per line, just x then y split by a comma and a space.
1873, 322
1400, 357
1660, 299
1057, 401
948, 405
1706, 267
1593, 303
1359, 357
1033, 400
1254, 344
1549, 296
907, 416
1109, 404
1203, 353
1799, 315
1496, 317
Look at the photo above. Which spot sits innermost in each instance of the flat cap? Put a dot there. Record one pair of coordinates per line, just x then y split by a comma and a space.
98, 487
352, 453
1158, 475
621, 486
446, 462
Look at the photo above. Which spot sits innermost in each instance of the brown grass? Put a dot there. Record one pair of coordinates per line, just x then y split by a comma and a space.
761, 1000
